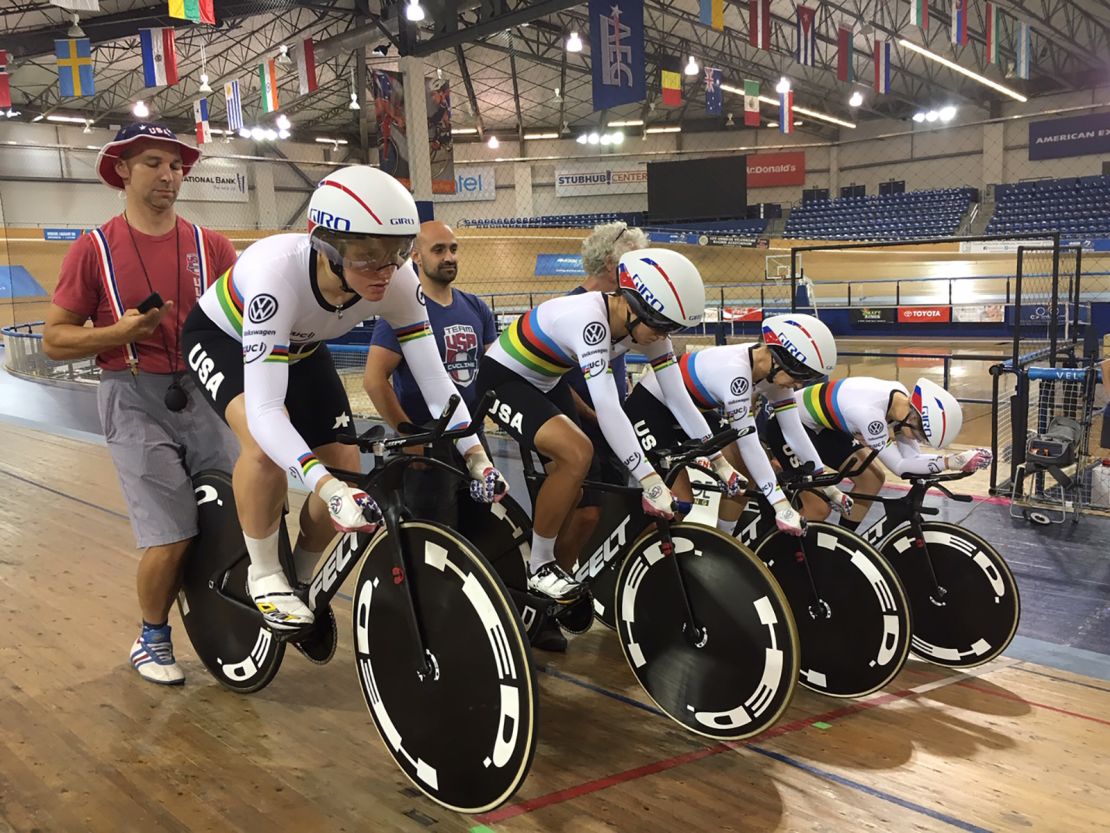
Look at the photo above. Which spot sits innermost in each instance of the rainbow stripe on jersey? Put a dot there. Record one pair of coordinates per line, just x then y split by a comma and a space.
308, 462
231, 300
822, 403
698, 391
278, 353
412, 332
526, 342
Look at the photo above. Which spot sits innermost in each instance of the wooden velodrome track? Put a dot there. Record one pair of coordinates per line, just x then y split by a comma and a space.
86, 746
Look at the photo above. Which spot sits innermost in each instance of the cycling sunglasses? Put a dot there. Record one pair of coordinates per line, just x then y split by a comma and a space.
794, 368
378, 254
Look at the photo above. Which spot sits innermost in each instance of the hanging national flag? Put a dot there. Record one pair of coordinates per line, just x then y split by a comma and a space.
5, 86
990, 16
786, 112
671, 82
1023, 51
845, 54
713, 95
200, 113
759, 23
713, 13
959, 22
304, 54
805, 51
77, 5
198, 11
617, 52
75, 69
234, 106
159, 57
882, 65
921, 14
751, 103
267, 76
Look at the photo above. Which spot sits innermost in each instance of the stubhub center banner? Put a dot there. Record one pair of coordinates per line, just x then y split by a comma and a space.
1074, 136
472, 184
768, 170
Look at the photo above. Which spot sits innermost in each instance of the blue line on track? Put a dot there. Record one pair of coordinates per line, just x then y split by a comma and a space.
66, 495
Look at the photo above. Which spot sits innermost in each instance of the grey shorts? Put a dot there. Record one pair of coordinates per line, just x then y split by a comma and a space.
156, 452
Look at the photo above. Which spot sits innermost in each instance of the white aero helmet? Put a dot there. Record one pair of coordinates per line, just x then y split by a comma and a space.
802, 345
941, 415
663, 288
361, 200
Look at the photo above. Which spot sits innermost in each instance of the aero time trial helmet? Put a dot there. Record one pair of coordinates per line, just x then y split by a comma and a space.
663, 288
802, 345
941, 415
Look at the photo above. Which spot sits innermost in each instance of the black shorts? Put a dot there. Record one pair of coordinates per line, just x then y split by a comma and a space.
656, 427
315, 399
833, 447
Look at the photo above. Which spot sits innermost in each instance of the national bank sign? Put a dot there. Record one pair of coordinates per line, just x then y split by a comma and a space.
1073, 136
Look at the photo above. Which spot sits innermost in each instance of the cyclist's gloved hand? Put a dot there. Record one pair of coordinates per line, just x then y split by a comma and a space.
350, 509
734, 483
657, 497
487, 484
838, 500
788, 520
973, 459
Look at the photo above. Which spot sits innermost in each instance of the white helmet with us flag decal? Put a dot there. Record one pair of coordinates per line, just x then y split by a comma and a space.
663, 288
361, 200
941, 415
802, 345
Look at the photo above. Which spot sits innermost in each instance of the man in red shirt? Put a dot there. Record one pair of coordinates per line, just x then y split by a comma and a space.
158, 429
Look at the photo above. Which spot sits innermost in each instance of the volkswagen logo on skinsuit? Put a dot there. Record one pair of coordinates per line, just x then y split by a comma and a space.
877, 428
739, 386
262, 308
594, 333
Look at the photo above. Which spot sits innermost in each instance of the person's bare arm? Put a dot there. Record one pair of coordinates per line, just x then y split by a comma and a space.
65, 335
380, 364
584, 411
1105, 366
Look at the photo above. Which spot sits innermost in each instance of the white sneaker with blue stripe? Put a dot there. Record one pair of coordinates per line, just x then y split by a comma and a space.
152, 656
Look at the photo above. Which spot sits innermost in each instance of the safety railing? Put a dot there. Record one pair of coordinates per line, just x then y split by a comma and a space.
24, 356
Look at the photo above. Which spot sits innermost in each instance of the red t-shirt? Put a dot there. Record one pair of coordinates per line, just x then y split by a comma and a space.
82, 289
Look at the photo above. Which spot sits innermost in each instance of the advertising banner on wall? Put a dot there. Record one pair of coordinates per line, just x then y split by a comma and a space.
389, 110
1041, 313
441, 149
924, 315
979, 313
1001, 246
472, 184
742, 314
770, 170
600, 178
547, 265
216, 180
1072, 136
873, 315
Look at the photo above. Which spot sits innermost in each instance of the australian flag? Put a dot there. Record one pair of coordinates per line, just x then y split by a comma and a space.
617, 52
712, 92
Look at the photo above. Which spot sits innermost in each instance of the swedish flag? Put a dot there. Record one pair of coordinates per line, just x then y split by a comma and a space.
75, 69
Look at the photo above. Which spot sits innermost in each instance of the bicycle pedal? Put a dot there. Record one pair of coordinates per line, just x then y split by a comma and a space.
319, 643
577, 616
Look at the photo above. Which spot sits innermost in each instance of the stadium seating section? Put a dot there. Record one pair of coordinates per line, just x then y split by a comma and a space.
588, 221
933, 213
1071, 206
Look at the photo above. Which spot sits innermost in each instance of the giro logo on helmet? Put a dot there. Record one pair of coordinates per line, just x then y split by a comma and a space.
402, 221
332, 221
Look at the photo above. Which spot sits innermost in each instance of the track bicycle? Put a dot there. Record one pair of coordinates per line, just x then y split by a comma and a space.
852, 614
703, 626
963, 596
441, 657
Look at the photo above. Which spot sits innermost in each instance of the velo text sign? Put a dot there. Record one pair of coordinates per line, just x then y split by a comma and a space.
547, 265
924, 315
472, 184
601, 178
769, 170
216, 180
62, 233
1072, 136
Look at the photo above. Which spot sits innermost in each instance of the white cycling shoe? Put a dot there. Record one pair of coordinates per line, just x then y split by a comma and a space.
281, 608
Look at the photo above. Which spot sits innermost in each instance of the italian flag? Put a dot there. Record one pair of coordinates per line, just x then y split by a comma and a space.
267, 75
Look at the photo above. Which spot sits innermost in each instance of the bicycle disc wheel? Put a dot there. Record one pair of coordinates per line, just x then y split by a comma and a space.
976, 616
464, 734
735, 676
226, 631
855, 636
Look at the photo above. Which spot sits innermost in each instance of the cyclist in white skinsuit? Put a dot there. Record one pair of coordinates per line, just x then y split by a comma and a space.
255, 344
795, 349
659, 292
849, 417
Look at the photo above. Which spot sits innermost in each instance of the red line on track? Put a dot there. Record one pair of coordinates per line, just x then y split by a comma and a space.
1005, 695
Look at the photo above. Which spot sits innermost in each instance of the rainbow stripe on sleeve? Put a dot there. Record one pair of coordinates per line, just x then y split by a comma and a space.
526, 342
278, 353
307, 462
821, 401
412, 332
231, 300
663, 362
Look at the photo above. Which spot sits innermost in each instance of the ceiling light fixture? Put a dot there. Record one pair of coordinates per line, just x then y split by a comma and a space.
283, 55
692, 67
541, 135
856, 100
783, 86
204, 85
283, 122
463, 131
75, 30
947, 113
932, 56
326, 141
493, 143
140, 109
381, 50
414, 12
663, 130
627, 123
574, 43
